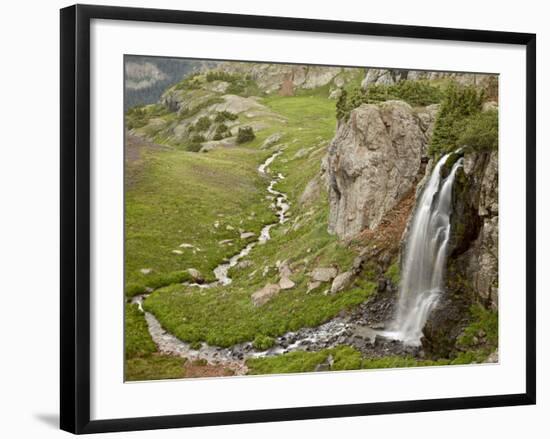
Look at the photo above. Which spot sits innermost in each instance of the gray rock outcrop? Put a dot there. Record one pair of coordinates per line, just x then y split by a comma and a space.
472, 267
373, 162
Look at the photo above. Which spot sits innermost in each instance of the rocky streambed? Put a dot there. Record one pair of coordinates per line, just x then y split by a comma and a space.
355, 329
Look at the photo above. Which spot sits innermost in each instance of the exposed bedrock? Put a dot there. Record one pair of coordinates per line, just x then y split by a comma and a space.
373, 162
472, 268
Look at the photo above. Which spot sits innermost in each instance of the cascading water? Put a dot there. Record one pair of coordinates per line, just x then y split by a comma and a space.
422, 279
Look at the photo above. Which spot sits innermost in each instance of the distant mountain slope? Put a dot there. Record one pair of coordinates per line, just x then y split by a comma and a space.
147, 77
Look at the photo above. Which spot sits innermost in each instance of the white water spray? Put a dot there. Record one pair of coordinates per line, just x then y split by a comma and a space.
422, 280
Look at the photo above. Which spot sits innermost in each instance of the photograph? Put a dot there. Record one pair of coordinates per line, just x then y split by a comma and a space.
286, 218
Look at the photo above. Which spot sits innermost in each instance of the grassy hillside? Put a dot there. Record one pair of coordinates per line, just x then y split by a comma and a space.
179, 199
225, 315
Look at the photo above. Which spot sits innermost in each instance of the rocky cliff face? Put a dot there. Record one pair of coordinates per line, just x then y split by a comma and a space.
373, 162
286, 78
392, 76
472, 271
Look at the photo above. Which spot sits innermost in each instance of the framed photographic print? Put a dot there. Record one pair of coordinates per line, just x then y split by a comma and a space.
284, 218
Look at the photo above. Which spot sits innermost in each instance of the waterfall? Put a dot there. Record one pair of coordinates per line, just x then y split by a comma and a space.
422, 279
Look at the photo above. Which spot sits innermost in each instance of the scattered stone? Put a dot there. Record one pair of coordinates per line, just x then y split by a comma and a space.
195, 275
358, 262
265, 294
271, 140
492, 358
244, 264
217, 224
324, 274
325, 365
284, 270
286, 284
312, 286
228, 227
302, 152
146, 270
341, 282
177, 252
225, 241
185, 245
247, 235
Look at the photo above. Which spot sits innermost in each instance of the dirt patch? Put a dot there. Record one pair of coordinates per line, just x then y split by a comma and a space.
390, 230
201, 369
287, 87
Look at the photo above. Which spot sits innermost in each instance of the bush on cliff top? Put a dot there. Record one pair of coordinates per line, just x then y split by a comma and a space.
415, 93
459, 104
480, 131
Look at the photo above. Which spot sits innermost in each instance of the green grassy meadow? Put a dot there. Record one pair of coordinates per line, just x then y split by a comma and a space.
187, 210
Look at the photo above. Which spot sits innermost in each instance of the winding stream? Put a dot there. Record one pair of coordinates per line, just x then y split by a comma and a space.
350, 329
235, 356
280, 206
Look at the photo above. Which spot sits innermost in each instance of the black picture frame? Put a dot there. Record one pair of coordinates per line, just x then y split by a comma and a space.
75, 217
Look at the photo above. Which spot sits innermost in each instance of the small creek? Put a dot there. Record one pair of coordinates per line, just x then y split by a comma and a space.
350, 329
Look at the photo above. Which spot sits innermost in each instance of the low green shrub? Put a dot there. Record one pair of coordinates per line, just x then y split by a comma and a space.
188, 112
245, 134
138, 117
222, 116
195, 143
220, 75
393, 273
203, 124
190, 82
222, 131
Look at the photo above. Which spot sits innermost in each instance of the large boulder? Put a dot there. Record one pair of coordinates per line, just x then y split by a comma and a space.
373, 162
